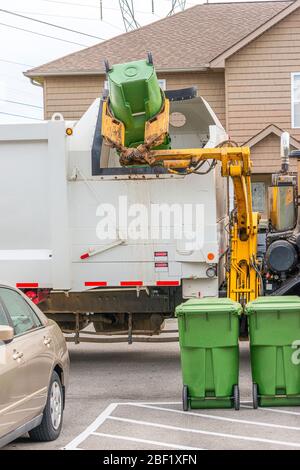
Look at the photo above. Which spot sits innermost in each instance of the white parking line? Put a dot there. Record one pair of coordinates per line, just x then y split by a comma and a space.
220, 418
274, 410
95, 425
91, 430
209, 433
154, 403
106, 415
145, 441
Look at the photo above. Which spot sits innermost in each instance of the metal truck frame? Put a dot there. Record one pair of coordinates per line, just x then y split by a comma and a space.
55, 178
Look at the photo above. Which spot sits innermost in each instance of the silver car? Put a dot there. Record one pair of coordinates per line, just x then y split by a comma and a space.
34, 370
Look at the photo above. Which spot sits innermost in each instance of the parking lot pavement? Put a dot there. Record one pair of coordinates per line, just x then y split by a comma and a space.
128, 397
147, 426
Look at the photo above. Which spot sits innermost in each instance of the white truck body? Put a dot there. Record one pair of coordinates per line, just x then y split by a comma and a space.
49, 205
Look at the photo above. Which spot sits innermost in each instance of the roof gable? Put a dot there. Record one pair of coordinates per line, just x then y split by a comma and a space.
271, 129
219, 61
206, 31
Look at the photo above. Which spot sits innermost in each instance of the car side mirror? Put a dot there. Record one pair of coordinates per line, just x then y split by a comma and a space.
6, 333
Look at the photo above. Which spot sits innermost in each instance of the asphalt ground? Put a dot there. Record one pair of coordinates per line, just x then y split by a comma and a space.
129, 397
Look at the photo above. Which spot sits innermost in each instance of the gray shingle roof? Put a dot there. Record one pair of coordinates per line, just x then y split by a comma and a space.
187, 40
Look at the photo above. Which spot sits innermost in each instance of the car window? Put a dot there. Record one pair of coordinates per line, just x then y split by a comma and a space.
3, 317
23, 317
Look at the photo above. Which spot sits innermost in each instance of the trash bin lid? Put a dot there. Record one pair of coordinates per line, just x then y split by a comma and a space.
273, 303
209, 305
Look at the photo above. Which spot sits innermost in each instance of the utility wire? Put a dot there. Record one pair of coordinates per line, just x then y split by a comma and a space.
23, 104
70, 17
21, 115
110, 24
15, 63
41, 34
49, 24
21, 91
93, 6
16, 77
71, 3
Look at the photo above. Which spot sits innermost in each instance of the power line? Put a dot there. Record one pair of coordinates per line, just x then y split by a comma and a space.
92, 6
70, 17
23, 104
49, 24
21, 91
15, 63
110, 24
41, 34
19, 77
71, 3
15, 76
21, 115
20, 80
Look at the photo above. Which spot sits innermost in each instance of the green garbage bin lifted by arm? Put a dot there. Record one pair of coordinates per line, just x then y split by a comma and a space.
137, 111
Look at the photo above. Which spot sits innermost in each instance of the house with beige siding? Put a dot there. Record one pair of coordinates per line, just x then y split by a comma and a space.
244, 59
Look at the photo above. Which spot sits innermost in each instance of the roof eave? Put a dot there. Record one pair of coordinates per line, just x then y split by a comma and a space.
63, 73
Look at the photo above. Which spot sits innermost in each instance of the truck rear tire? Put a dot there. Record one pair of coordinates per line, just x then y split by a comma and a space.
70, 326
142, 323
110, 322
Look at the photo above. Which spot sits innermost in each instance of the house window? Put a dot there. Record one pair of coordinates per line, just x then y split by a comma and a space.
295, 100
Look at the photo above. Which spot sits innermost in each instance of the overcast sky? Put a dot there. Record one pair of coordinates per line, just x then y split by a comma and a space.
17, 95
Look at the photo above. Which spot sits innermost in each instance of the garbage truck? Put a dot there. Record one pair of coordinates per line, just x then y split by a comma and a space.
114, 219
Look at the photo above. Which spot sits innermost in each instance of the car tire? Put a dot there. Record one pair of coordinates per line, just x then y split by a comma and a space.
51, 424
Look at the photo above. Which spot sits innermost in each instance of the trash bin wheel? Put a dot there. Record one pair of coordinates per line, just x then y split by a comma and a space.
185, 398
236, 397
255, 395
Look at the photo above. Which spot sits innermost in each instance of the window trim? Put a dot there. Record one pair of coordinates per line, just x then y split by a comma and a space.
10, 318
293, 75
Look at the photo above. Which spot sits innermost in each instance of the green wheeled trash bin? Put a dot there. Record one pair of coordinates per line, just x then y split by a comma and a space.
274, 328
208, 336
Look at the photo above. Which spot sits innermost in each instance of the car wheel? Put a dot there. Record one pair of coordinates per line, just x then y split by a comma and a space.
51, 424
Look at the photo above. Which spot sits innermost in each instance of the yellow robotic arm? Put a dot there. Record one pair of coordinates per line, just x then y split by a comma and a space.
243, 276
